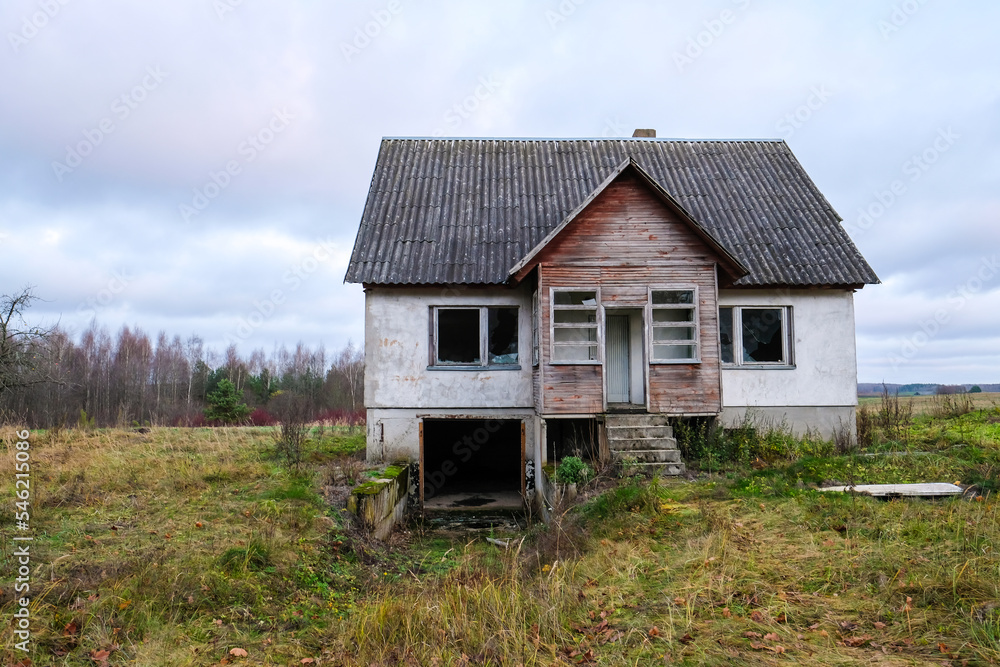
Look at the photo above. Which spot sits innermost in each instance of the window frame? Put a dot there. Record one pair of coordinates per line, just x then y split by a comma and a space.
695, 323
596, 324
787, 338
484, 339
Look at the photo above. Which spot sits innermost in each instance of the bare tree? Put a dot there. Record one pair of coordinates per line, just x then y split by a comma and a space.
21, 345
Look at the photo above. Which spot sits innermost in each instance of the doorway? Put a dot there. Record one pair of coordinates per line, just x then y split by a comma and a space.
624, 366
481, 459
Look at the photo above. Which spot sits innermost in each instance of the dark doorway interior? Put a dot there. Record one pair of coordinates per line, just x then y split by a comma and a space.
471, 456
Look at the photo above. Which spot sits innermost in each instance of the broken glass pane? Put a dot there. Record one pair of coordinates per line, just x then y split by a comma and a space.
575, 298
726, 334
458, 336
762, 339
503, 335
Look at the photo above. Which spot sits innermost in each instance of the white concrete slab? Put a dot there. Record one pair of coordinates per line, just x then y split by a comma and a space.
930, 490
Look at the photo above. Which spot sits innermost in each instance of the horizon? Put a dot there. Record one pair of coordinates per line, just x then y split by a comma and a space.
203, 167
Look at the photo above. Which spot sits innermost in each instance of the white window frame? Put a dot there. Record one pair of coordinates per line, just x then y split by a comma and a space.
484, 339
787, 337
596, 324
695, 323
536, 315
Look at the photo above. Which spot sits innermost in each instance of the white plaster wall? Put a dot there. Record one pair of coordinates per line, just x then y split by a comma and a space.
825, 372
397, 342
394, 435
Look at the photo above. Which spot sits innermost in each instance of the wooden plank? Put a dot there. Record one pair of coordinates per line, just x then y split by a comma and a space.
625, 242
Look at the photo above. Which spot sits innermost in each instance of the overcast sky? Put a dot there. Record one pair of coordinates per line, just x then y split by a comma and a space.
200, 166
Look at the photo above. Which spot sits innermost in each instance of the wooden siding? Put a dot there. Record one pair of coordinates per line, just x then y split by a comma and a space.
626, 241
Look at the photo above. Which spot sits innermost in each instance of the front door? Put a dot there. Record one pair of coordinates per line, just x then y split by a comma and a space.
618, 358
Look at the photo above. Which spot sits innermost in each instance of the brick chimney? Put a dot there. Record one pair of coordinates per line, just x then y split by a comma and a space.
644, 134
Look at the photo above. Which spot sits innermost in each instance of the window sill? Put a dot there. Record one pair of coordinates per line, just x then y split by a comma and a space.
674, 362
758, 367
458, 367
574, 363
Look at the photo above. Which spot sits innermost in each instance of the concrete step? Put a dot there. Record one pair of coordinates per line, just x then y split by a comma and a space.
650, 455
644, 419
626, 432
642, 443
662, 469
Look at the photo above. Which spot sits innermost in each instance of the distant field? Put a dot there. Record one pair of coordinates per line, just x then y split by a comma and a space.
923, 405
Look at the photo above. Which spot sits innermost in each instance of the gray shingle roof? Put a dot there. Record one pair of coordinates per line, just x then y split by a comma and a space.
466, 211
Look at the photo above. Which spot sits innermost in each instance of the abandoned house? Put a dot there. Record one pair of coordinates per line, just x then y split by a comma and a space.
528, 298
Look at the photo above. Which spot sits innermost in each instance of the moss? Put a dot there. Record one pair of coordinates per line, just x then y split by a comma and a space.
368, 489
392, 472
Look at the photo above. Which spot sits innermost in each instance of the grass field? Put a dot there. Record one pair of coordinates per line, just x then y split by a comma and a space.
196, 547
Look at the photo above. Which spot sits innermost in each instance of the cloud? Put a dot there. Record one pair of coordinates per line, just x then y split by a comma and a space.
559, 67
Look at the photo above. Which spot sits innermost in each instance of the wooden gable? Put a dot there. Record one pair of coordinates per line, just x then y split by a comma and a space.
626, 241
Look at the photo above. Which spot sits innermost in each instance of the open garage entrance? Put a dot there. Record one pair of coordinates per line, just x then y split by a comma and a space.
469, 463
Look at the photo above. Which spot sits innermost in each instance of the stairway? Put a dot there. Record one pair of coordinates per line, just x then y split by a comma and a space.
646, 438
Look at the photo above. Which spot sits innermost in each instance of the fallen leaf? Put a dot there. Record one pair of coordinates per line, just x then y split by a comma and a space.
879, 625
781, 618
190, 599
750, 634
198, 524
726, 613
679, 600
942, 647
814, 626
756, 616
71, 629
771, 637
124, 604
100, 656
237, 653
828, 543
686, 639
307, 661
217, 621
654, 631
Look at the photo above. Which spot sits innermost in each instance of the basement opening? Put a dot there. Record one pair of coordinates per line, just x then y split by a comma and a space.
471, 463
572, 437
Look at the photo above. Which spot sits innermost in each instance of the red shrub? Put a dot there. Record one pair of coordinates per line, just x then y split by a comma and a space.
261, 417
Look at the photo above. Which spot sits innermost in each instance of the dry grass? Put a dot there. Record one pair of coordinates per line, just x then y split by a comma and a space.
746, 570
929, 405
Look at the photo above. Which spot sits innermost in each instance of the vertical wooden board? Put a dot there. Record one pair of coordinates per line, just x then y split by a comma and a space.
421, 436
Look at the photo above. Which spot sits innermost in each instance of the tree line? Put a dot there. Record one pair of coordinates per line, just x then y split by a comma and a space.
48, 378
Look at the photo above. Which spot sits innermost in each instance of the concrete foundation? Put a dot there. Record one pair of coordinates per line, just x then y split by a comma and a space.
825, 421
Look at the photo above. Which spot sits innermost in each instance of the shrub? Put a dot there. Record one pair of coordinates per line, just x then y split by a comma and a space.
572, 470
261, 417
294, 412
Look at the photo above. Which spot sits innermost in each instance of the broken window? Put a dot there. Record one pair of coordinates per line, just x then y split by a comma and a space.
458, 336
503, 335
574, 326
468, 335
751, 336
674, 324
